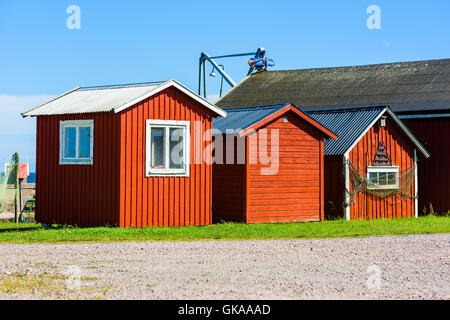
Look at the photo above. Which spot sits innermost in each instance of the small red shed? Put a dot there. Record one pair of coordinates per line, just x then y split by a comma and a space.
371, 169
272, 167
126, 155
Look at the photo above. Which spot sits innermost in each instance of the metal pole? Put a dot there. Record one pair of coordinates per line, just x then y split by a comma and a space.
347, 186
232, 55
200, 65
204, 81
416, 185
16, 187
221, 82
226, 76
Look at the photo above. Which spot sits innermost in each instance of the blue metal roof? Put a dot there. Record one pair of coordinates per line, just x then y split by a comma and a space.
240, 119
347, 123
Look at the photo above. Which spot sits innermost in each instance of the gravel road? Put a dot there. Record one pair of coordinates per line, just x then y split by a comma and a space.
401, 267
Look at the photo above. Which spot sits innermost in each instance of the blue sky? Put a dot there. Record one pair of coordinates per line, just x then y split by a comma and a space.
135, 41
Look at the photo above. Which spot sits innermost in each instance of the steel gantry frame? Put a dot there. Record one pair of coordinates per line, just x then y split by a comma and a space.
204, 57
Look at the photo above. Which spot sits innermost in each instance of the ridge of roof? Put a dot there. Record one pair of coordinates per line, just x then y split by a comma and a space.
122, 86
276, 106
349, 109
363, 65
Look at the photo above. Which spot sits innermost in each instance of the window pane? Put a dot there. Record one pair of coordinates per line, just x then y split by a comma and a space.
157, 148
176, 148
85, 142
373, 178
69, 142
392, 178
382, 178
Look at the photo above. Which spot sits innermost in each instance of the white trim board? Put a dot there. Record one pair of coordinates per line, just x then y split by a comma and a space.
167, 172
401, 125
179, 86
76, 124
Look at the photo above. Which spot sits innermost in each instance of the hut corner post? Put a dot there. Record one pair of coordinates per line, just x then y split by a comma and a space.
416, 185
347, 186
16, 187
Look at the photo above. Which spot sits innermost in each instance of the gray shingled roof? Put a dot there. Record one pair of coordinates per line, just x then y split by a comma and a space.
406, 87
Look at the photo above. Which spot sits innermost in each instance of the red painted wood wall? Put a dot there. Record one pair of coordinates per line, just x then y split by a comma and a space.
164, 201
293, 193
82, 195
434, 172
401, 151
115, 190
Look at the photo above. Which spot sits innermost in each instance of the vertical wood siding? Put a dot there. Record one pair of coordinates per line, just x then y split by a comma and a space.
228, 188
82, 195
164, 201
434, 172
294, 192
401, 153
333, 183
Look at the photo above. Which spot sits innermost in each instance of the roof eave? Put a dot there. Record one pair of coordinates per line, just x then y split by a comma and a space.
179, 86
26, 113
401, 125
409, 133
285, 108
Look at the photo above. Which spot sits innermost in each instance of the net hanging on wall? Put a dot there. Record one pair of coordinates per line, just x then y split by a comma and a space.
360, 183
7, 190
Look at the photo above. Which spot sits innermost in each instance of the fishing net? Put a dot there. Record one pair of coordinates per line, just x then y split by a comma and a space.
361, 184
7, 190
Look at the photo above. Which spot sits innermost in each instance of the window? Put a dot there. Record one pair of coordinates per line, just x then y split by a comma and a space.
76, 142
382, 177
168, 148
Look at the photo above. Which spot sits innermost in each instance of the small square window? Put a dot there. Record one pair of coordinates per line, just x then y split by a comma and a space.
382, 178
167, 148
76, 142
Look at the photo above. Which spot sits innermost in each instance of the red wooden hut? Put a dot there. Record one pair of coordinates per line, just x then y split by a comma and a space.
279, 177
127, 155
371, 170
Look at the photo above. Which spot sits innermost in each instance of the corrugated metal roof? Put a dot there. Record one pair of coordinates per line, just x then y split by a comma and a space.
94, 99
404, 86
240, 119
347, 123
109, 98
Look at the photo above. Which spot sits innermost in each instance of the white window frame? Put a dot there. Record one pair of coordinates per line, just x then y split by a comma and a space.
383, 169
75, 124
166, 125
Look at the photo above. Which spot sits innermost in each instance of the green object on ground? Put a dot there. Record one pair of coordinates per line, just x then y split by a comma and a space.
28, 208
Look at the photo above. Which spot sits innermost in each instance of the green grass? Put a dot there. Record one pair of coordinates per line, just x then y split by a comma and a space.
33, 233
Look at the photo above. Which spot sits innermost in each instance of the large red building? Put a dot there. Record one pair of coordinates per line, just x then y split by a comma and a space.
127, 155
418, 92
